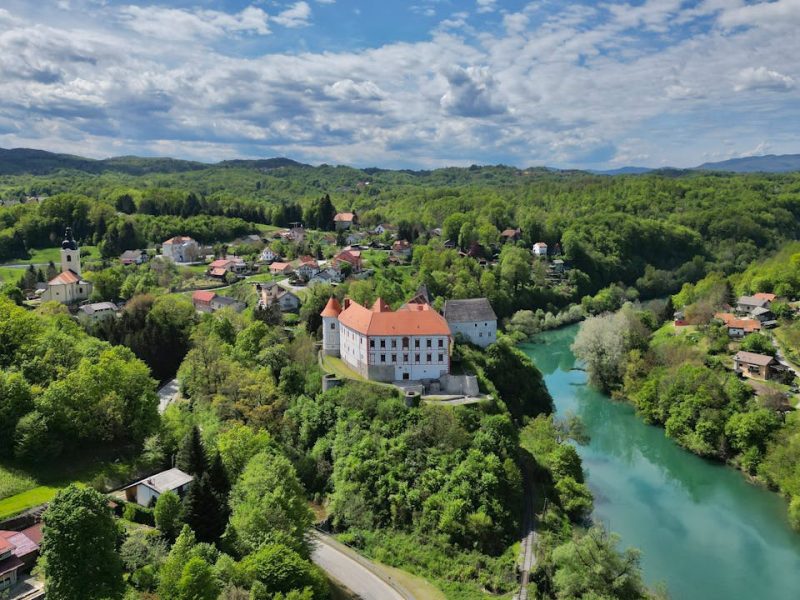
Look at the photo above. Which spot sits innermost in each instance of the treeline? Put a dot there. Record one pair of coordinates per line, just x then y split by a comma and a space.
61, 389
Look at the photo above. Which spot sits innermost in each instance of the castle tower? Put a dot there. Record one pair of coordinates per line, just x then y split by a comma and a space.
330, 327
70, 253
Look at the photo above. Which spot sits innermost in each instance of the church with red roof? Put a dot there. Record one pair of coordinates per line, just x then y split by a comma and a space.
68, 287
411, 343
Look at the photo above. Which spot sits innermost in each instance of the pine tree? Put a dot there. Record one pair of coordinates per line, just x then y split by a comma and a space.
51, 270
219, 478
205, 512
191, 456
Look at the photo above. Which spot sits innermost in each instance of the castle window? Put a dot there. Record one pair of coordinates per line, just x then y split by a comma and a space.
333, 326
441, 343
383, 358
429, 358
441, 358
394, 358
383, 343
405, 343
416, 343
69, 258
394, 343
416, 358
429, 343
405, 357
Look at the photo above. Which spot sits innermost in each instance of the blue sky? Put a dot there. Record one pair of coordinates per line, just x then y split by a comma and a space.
417, 83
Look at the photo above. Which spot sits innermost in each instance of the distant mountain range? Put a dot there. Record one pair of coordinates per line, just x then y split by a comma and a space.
18, 161
770, 163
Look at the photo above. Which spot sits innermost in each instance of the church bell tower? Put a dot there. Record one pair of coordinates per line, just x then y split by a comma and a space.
70, 253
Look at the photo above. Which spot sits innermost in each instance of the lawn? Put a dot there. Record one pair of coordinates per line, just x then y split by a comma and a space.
23, 487
45, 255
335, 365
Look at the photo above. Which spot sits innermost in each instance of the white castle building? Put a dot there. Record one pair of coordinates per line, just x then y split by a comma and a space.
410, 344
68, 287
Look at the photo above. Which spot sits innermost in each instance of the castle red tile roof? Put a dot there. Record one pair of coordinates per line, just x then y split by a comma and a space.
346, 217
332, 308
419, 320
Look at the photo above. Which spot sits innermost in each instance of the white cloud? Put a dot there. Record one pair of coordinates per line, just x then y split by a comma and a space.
486, 6
761, 78
780, 13
296, 16
566, 85
185, 25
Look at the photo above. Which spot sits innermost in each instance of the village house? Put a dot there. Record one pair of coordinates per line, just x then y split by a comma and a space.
208, 302
230, 264
540, 249
402, 248
384, 228
147, 491
180, 249
345, 220
307, 267
354, 238
97, 311
328, 276
747, 304
18, 553
133, 257
268, 255
270, 293
350, 256
411, 343
755, 366
510, 235
281, 268
68, 287
473, 319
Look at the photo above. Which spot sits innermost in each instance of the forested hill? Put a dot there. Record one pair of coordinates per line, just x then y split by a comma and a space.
21, 161
756, 164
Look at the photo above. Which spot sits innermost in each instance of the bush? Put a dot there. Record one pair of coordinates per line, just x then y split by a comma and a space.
794, 513
138, 514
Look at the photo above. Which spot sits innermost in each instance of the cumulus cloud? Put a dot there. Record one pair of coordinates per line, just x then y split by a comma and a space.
470, 93
486, 6
762, 78
186, 25
296, 16
549, 83
778, 13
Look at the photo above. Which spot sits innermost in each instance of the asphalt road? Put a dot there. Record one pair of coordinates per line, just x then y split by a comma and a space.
355, 572
167, 394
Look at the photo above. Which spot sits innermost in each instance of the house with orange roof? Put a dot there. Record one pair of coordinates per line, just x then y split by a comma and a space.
350, 256
68, 287
345, 220
18, 553
411, 343
281, 268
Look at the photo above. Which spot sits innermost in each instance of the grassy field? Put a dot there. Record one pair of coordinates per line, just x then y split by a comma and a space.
335, 365
45, 255
22, 487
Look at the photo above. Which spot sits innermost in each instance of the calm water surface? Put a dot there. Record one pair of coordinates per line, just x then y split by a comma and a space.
701, 527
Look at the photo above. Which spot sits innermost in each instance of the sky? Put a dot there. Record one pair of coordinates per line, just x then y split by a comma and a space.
404, 84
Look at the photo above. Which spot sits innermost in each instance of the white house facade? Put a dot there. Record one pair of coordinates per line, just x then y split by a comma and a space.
410, 344
473, 319
181, 249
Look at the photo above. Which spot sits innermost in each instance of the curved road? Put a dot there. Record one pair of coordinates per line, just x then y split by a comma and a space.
362, 577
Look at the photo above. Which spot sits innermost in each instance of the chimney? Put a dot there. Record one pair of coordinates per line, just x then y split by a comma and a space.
346, 302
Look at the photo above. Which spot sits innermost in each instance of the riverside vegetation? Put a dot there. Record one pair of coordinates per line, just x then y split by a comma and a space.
683, 380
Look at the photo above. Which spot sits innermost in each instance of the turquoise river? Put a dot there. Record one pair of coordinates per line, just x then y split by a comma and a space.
702, 529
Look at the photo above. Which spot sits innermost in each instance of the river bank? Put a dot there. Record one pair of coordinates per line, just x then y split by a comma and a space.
702, 528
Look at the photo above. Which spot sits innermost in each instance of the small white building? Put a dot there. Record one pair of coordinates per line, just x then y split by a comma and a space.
68, 287
540, 249
473, 319
97, 311
181, 249
268, 255
147, 491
